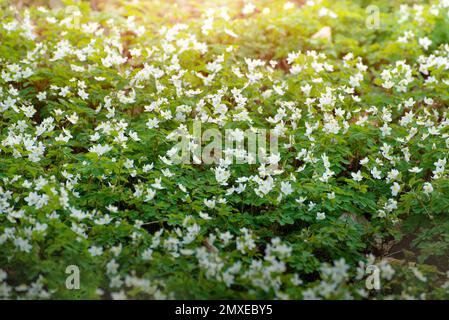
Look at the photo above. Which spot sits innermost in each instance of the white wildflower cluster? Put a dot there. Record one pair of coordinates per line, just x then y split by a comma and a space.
398, 77
90, 117
35, 290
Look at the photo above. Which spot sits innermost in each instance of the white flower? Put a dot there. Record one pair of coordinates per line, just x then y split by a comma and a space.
95, 251
147, 167
427, 187
150, 195
95, 137
376, 173
428, 101
41, 96
222, 175
321, 216
27, 184
128, 164
295, 280
73, 118
392, 175
112, 267
204, 216
395, 188
157, 184
381, 213
248, 8
83, 94
100, 150
209, 203
364, 161
286, 188
134, 135
147, 254
112, 208
226, 237
301, 200
289, 5
64, 91
425, 42
4, 275
104, 220
22, 244
230, 33
34, 199
64, 138
153, 123
357, 176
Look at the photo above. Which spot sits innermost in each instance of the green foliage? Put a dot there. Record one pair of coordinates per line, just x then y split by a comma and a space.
89, 106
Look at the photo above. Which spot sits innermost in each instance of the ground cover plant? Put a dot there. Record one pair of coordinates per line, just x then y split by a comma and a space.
95, 97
